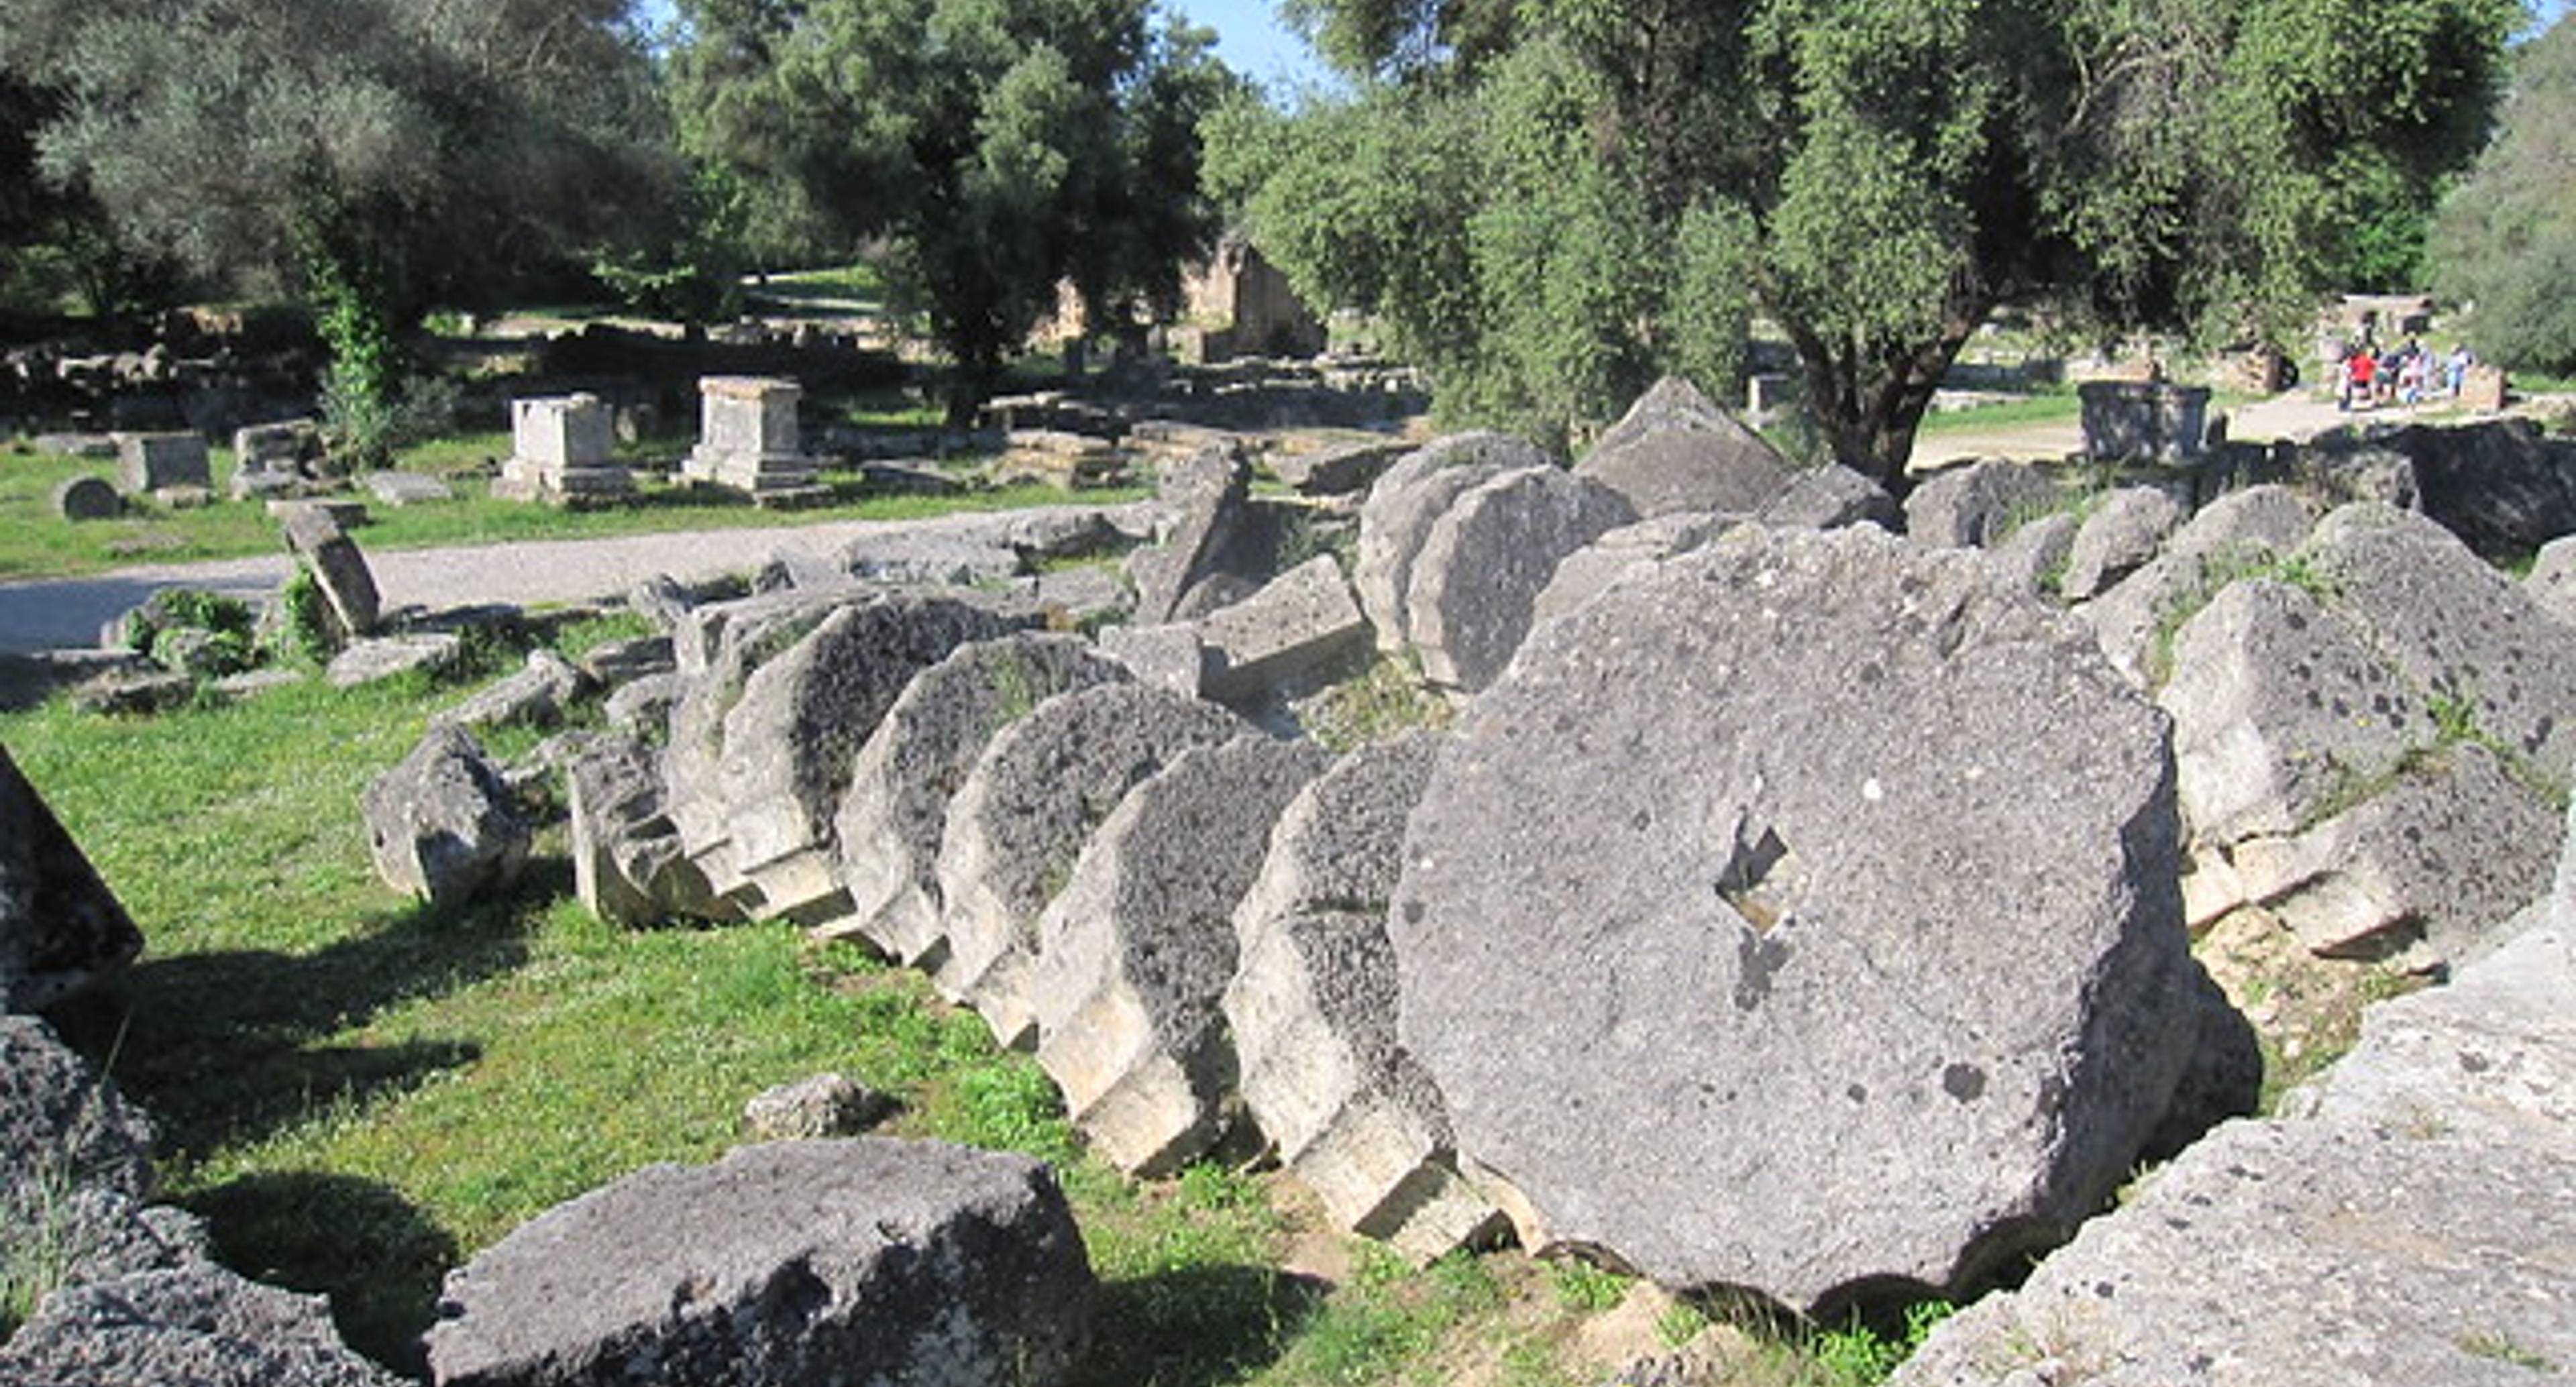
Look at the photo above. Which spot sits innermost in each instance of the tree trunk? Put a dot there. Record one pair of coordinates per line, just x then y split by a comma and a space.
1869, 406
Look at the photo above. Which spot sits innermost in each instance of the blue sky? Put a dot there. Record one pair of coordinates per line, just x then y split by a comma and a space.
1249, 37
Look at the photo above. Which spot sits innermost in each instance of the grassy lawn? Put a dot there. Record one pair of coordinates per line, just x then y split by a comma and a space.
360, 1092
37, 543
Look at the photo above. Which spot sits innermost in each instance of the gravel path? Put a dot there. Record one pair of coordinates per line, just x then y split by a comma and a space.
64, 614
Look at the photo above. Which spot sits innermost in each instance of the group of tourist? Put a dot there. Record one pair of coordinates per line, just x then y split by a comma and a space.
2408, 374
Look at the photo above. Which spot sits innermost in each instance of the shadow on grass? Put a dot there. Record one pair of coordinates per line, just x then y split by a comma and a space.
224, 1049
356, 1241
1196, 1326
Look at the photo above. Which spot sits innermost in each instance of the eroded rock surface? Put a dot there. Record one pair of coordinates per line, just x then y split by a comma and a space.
1842, 842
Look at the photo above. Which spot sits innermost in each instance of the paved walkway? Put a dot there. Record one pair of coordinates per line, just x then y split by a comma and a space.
67, 613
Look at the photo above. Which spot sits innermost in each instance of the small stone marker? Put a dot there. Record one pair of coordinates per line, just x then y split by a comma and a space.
348, 588
561, 448
747, 438
2144, 421
87, 498
147, 462
400, 489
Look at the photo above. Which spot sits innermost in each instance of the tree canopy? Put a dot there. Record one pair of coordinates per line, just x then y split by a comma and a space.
379, 155
2506, 240
1550, 199
995, 147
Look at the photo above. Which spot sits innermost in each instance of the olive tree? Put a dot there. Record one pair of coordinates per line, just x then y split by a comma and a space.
1877, 176
2506, 240
995, 147
375, 155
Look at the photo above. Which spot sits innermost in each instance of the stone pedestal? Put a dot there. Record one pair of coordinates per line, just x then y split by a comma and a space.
2484, 389
149, 462
2144, 421
560, 449
747, 438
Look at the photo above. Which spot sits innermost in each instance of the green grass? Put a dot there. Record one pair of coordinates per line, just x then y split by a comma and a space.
37, 543
360, 1093
2045, 408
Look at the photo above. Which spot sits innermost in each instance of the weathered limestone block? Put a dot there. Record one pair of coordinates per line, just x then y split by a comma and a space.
1830, 497
561, 447
1298, 626
1017, 824
63, 1125
1206, 493
2280, 710
348, 587
2405, 1220
1854, 891
150, 462
793, 739
61, 929
629, 866
747, 437
375, 660
1588, 571
1407, 501
1312, 1009
866, 1260
2230, 536
1971, 507
87, 498
1676, 450
826, 1105
539, 694
1484, 563
2144, 421
196, 1325
2419, 871
2552, 580
896, 808
399, 489
1135, 952
2126, 530
1344, 469
440, 824
2034, 556
2456, 626
1168, 656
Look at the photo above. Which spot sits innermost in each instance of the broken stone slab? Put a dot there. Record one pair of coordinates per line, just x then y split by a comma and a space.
641, 707
2034, 556
196, 1325
1973, 506
2552, 579
1830, 497
2418, 872
440, 825
1134, 953
2456, 626
1312, 1010
539, 694
629, 866
1020, 820
127, 692
2118, 538
895, 810
389, 657
1206, 493
2402, 1222
622, 662
1486, 560
2229, 537
350, 600
148, 462
1082, 597
1407, 501
717, 646
1590, 570
826, 1105
284, 446
64, 1125
398, 489
1344, 469
2503, 486
62, 931
1852, 874
1298, 626
792, 740
864, 1260
1677, 450
1167, 656
87, 498
929, 558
